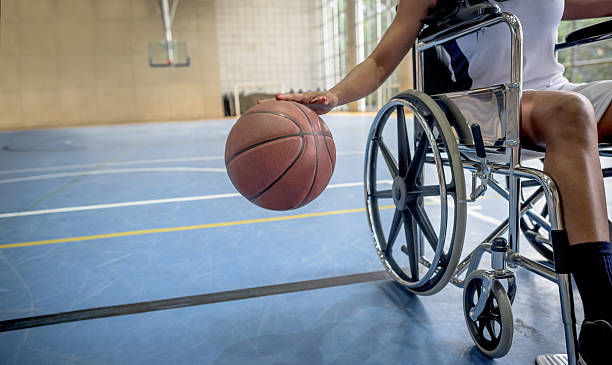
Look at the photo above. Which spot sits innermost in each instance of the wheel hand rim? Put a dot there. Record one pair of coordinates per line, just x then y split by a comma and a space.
442, 261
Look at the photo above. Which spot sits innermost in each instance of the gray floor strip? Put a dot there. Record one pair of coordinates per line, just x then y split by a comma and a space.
188, 301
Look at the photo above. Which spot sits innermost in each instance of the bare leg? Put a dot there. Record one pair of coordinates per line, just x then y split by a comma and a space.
564, 123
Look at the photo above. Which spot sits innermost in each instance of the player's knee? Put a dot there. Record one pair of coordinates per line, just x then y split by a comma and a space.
572, 119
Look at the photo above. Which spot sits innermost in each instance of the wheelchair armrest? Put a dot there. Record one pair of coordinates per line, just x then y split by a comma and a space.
594, 33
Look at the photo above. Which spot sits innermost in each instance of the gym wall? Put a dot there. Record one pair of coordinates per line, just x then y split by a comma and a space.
77, 62
263, 41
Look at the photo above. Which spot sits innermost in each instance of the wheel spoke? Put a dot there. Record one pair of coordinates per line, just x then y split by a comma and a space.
395, 228
388, 157
383, 194
402, 142
411, 245
481, 326
416, 165
444, 260
427, 190
425, 224
490, 330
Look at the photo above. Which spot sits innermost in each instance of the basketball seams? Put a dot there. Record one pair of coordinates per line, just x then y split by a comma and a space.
326, 145
246, 149
296, 164
271, 139
278, 114
283, 173
306, 115
314, 179
328, 152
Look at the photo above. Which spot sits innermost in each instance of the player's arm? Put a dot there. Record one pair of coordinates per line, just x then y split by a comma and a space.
583, 9
393, 47
371, 73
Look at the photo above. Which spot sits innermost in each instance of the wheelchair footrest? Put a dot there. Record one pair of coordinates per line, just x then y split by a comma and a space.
552, 359
555, 359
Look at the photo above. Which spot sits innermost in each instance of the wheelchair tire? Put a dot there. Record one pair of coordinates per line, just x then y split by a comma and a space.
409, 266
492, 332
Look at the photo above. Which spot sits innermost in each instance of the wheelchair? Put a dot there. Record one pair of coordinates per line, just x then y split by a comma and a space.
475, 130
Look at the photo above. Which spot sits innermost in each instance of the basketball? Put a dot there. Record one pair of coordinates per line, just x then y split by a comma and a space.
280, 155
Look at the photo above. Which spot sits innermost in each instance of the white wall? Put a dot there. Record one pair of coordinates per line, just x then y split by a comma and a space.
269, 41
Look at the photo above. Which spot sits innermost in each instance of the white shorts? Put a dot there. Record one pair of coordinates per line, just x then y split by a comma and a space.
599, 94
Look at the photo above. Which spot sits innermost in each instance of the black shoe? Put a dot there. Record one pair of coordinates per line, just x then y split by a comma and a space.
595, 341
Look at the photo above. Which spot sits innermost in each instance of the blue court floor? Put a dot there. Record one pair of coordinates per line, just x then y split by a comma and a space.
142, 219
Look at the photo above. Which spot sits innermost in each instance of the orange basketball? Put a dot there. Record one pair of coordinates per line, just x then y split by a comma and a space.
280, 155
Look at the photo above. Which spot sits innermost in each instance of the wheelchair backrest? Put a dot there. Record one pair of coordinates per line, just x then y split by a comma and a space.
443, 74
445, 71
445, 68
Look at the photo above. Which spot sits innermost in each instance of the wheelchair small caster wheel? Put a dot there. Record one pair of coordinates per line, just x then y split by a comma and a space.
492, 329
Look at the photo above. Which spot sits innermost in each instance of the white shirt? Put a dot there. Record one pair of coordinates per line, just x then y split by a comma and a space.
488, 50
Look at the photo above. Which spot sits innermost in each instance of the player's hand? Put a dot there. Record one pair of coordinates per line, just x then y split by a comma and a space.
321, 101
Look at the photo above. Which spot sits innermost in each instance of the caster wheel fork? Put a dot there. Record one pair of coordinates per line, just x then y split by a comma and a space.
489, 319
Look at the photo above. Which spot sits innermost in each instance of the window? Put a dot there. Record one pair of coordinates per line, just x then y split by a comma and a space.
372, 18
586, 63
333, 14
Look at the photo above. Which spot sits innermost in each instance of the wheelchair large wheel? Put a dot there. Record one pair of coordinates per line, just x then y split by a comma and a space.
493, 330
427, 192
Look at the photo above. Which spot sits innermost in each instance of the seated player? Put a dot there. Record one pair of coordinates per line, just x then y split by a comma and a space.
568, 120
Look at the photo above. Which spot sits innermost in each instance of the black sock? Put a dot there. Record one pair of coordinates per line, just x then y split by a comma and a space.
591, 265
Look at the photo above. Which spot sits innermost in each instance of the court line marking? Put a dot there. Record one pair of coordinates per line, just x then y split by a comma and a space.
472, 211
214, 225
117, 163
110, 171
132, 162
185, 228
116, 205
149, 202
189, 301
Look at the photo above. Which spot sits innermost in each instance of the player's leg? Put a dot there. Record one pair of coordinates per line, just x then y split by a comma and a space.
564, 123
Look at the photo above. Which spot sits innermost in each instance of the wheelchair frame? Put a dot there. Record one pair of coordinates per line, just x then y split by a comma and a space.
492, 158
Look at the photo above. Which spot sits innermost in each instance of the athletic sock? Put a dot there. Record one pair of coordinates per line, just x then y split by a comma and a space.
591, 265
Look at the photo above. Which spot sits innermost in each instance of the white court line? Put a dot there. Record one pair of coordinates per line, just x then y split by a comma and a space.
473, 213
110, 171
471, 209
118, 163
149, 202
132, 162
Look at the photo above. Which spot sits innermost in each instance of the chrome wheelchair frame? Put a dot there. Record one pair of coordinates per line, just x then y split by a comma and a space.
449, 140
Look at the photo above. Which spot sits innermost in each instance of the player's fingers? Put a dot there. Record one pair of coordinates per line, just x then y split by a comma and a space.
290, 97
319, 109
320, 100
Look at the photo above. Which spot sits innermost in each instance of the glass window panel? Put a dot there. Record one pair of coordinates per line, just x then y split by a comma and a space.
374, 18
585, 63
